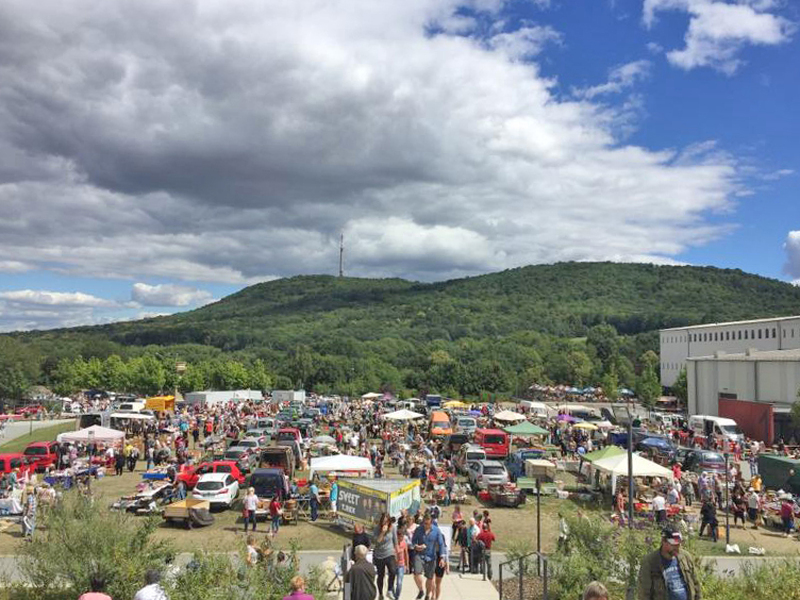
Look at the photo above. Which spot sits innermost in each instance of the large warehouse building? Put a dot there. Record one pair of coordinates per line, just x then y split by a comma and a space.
680, 343
745, 370
756, 389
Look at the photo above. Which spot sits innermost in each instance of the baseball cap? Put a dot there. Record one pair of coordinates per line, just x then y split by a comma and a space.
672, 535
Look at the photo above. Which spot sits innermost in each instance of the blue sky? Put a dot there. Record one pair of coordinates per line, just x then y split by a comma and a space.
159, 155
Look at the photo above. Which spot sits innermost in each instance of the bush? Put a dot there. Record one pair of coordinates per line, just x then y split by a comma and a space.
77, 539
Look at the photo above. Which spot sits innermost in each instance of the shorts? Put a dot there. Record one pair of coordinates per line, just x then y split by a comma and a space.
333, 506
421, 567
752, 513
438, 571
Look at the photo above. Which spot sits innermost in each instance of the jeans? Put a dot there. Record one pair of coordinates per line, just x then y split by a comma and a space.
487, 564
712, 527
398, 586
276, 523
382, 565
314, 510
250, 517
449, 497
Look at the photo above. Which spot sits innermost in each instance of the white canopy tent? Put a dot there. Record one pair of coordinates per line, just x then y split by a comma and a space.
617, 466
95, 433
509, 415
402, 415
371, 396
132, 416
342, 465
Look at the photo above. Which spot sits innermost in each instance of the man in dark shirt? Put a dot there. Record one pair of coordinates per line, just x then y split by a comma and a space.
361, 576
360, 538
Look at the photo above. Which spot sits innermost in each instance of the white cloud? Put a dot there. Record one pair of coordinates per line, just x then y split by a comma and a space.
13, 266
43, 298
719, 30
231, 141
792, 248
620, 78
169, 295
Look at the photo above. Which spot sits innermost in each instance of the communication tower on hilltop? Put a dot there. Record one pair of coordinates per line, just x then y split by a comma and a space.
341, 255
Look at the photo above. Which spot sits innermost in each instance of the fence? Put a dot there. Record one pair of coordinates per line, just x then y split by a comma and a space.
528, 580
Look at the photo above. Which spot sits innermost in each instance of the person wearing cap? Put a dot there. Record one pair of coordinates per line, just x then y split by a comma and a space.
753, 505
669, 572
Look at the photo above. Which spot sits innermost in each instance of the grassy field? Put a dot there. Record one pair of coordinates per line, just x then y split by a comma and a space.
38, 435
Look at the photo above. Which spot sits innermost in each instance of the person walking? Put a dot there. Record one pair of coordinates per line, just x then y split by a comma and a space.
708, 514
384, 553
449, 486
313, 491
29, 514
669, 573
787, 514
430, 550
360, 538
152, 589
485, 539
660, 509
97, 585
249, 508
334, 496
753, 506
361, 576
403, 561
275, 513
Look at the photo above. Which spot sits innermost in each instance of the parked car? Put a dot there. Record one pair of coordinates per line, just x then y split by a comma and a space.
515, 463
483, 473
254, 443
454, 442
257, 432
466, 425
243, 457
704, 460
191, 475
16, 460
43, 454
269, 482
468, 454
218, 489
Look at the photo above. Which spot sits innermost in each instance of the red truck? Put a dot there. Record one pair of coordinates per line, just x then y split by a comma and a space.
16, 460
190, 475
42, 454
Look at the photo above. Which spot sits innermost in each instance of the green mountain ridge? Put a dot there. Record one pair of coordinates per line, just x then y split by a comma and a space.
324, 330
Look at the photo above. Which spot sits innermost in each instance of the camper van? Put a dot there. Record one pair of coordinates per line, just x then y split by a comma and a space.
710, 426
536, 409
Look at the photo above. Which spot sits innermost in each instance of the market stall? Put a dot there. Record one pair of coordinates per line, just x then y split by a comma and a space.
617, 466
363, 500
341, 465
403, 415
95, 433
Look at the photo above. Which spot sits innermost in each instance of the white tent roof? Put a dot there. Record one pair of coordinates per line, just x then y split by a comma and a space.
371, 396
94, 433
509, 415
402, 415
340, 463
618, 465
133, 416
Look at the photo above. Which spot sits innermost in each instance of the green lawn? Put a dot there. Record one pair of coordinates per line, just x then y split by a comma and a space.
39, 435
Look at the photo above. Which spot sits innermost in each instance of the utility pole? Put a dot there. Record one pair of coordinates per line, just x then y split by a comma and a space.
341, 255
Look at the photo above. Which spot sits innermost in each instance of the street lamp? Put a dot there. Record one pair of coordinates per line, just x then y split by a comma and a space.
727, 504
630, 465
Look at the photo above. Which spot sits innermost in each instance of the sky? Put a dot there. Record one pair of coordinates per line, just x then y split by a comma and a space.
157, 155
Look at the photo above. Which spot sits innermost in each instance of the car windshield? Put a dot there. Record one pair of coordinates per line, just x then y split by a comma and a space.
36, 450
494, 439
476, 455
209, 486
732, 429
234, 453
492, 470
711, 457
286, 435
466, 422
224, 469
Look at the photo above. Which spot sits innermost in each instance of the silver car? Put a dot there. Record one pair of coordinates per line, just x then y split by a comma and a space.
483, 473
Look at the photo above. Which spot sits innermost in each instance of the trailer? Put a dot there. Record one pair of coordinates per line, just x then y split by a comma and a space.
190, 512
364, 500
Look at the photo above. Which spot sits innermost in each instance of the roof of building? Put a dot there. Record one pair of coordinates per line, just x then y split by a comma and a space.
754, 356
729, 323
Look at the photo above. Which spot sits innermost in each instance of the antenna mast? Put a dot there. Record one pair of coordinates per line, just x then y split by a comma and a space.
341, 255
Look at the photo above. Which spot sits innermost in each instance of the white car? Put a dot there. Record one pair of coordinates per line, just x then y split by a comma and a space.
217, 488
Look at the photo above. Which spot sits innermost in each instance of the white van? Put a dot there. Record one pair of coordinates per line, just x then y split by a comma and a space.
711, 426
537, 409
131, 406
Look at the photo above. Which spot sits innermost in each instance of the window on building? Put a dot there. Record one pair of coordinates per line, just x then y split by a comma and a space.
740, 334
752, 334
759, 334
774, 333
745, 334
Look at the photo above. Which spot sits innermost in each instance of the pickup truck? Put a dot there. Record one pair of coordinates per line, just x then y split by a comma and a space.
190, 475
42, 455
16, 460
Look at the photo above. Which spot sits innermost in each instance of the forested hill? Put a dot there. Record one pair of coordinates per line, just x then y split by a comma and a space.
316, 328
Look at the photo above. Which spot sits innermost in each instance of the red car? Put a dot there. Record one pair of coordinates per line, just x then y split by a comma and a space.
190, 475
16, 460
43, 454
29, 411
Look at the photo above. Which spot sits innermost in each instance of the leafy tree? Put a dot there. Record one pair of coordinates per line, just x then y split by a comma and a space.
605, 342
147, 375
610, 385
680, 387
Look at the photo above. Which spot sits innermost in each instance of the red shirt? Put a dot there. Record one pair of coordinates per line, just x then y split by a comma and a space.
787, 510
487, 537
274, 507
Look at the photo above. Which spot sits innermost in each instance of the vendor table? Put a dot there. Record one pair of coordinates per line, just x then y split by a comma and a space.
10, 506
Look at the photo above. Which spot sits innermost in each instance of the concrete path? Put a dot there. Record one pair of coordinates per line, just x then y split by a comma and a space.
16, 429
735, 565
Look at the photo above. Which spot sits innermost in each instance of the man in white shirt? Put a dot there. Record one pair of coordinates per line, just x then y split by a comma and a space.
152, 589
660, 508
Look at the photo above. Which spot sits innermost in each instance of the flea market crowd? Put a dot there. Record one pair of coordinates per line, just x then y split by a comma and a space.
400, 475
